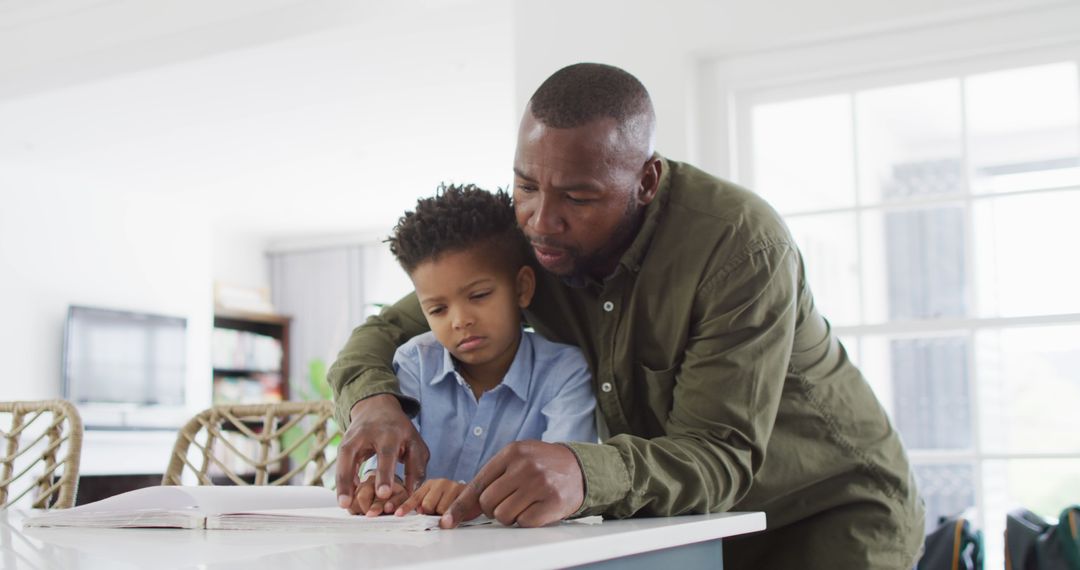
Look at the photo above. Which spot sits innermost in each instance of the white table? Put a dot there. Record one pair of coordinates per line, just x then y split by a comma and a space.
675, 542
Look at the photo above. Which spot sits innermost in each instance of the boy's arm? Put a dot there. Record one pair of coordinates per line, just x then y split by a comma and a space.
367, 391
570, 414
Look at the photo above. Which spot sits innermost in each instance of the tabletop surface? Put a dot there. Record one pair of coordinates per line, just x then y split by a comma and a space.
560, 545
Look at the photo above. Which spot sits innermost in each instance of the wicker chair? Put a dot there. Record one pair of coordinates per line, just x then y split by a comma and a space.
43, 442
255, 444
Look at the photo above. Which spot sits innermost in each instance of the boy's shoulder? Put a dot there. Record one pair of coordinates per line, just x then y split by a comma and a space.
419, 346
551, 354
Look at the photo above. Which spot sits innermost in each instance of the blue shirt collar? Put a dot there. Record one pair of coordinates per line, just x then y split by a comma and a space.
517, 379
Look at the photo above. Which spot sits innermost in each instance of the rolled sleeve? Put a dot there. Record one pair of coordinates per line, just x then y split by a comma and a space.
607, 480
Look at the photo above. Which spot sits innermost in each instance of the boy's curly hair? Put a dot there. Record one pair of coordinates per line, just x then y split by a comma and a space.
455, 219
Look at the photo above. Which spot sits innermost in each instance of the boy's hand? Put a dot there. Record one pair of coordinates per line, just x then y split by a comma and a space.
367, 503
434, 497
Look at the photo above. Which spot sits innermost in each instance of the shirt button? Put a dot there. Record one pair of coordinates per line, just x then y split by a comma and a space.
608, 306
477, 431
606, 387
461, 481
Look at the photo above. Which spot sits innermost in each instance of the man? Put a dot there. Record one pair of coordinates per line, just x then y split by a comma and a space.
722, 386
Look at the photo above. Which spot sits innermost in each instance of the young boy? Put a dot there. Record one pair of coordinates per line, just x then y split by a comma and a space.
482, 382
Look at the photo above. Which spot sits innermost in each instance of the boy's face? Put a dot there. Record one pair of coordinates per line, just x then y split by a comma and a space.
472, 305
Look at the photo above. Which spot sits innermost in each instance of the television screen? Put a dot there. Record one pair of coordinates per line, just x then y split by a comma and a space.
123, 357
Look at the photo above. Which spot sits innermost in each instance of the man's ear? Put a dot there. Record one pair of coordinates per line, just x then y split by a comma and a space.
650, 180
526, 285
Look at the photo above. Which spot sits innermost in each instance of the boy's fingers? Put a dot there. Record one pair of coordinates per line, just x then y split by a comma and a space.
446, 500
411, 503
364, 498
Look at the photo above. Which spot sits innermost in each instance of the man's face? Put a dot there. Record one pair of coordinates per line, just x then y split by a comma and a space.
577, 193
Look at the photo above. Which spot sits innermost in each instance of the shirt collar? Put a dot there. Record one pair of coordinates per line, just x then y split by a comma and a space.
517, 378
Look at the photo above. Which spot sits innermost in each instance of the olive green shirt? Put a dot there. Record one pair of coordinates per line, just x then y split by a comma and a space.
721, 384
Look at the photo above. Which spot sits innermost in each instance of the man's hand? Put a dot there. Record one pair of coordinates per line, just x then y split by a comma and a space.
379, 428
432, 498
366, 502
530, 483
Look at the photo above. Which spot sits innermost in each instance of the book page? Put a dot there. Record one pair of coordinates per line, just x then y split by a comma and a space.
324, 518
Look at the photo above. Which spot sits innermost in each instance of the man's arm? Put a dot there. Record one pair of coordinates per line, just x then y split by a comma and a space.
370, 406
726, 395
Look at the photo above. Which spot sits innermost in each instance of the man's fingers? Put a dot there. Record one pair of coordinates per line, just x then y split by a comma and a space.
508, 510
537, 514
416, 459
348, 464
384, 472
467, 506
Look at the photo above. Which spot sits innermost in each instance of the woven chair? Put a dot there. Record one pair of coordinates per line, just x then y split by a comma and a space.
43, 442
255, 444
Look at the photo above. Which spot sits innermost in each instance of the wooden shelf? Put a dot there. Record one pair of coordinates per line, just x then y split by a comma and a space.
271, 325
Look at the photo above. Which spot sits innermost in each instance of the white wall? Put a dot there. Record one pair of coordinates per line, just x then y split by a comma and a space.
65, 241
157, 150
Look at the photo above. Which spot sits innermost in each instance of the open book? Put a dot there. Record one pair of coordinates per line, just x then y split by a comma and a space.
227, 508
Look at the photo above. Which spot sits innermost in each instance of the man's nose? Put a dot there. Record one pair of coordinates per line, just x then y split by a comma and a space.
546, 217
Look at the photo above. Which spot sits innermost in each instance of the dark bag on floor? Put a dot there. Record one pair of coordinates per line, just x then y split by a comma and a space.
953, 545
1031, 543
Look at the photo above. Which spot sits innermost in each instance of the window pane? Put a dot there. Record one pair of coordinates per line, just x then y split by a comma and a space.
1028, 389
828, 245
914, 264
928, 388
802, 154
1045, 486
910, 141
948, 489
1023, 129
1025, 254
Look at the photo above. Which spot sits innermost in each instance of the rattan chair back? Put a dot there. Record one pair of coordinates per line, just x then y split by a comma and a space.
42, 446
255, 444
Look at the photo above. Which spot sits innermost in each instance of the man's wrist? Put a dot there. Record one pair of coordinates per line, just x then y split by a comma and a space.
386, 397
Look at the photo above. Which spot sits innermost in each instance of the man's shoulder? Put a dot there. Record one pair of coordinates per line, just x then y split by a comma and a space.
696, 194
714, 210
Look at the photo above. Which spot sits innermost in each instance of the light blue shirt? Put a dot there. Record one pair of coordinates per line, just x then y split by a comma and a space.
546, 395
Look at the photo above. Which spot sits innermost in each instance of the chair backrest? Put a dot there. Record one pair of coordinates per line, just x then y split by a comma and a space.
40, 457
255, 444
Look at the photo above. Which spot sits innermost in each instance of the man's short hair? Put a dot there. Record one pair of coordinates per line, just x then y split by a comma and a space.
578, 94
458, 218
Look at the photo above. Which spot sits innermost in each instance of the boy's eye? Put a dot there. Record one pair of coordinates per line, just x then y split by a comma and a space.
480, 295
436, 310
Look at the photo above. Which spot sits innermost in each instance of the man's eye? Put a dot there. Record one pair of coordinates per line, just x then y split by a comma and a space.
579, 201
526, 188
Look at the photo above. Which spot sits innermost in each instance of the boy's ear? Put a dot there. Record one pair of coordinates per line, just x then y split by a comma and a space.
526, 286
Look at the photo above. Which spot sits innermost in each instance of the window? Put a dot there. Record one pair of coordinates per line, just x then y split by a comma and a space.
938, 216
